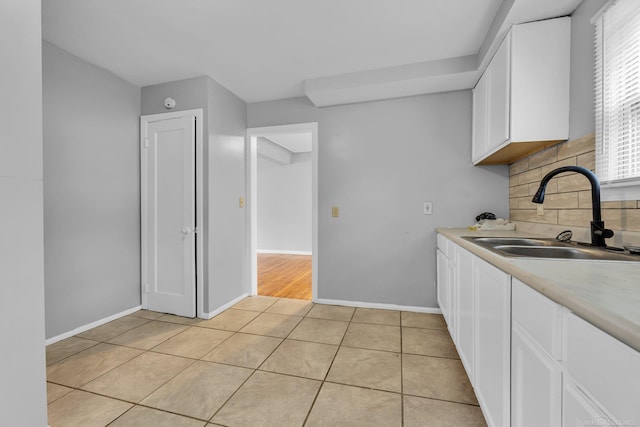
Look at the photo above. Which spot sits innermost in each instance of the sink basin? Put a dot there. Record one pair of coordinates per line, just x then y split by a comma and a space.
549, 249
565, 252
520, 241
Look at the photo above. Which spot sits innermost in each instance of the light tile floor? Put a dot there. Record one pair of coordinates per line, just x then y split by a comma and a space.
264, 362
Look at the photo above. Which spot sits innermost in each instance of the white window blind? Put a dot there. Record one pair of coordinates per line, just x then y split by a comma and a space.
617, 92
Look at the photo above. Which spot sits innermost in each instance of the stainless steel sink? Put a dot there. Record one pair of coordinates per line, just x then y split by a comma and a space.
549, 249
520, 241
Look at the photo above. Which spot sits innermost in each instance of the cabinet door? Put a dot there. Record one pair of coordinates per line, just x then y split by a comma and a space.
465, 308
480, 119
499, 100
442, 277
493, 342
579, 411
536, 383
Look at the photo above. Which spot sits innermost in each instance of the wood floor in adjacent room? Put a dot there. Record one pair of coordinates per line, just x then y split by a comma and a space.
284, 276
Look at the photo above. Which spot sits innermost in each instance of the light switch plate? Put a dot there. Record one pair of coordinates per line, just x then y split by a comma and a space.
428, 208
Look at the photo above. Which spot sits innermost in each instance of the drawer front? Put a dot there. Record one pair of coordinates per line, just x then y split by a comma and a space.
441, 242
604, 368
446, 246
539, 316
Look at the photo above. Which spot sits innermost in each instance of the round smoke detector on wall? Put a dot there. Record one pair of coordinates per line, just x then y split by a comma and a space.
169, 103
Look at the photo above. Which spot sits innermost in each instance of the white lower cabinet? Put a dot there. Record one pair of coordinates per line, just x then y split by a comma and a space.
536, 373
531, 361
536, 383
475, 298
465, 308
579, 411
605, 369
445, 289
492, 342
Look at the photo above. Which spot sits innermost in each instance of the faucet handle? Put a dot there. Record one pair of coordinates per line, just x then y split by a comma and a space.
605, 232
599, 233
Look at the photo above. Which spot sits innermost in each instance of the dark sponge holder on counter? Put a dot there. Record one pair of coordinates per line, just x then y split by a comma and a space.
485, 215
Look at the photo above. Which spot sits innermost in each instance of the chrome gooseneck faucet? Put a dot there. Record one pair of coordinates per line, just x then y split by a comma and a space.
598, 232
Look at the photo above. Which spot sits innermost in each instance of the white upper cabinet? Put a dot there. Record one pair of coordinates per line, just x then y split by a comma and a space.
521, 102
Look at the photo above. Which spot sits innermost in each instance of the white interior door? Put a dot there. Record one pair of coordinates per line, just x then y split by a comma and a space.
168, 155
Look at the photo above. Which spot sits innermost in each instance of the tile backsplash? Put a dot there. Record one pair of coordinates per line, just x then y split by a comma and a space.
568, 196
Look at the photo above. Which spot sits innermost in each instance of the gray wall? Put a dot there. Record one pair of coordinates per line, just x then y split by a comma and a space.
91, 192
224, 139
22, 371
581, 113
284, 204
379, 162
227, 134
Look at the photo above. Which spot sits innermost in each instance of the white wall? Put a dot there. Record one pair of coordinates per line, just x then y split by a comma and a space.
284, 204
379, 161
22, 360
91, 192
225, 226
581, 112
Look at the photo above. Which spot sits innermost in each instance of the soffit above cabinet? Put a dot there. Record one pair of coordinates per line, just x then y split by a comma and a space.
443, 75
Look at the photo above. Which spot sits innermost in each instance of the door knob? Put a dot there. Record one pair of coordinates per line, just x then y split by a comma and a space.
185, 230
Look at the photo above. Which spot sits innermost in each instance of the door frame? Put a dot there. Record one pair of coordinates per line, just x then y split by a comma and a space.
252, 185
144, 121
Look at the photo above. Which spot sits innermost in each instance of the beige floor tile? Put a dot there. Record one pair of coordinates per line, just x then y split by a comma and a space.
331, 312
437, 378
139, 416
255, 303
230, 320
66, 348
428, 342
244, 350
171, 318
320, 330
342, 405
268, 399
381, 370
380, 317
272, 325
89, 364
137, 378
55, 391
113, 329
148, 335
423, 320
374, 337
302, 359
82, 409
291, 307
199, 391
146, 314
422, 412
194, 342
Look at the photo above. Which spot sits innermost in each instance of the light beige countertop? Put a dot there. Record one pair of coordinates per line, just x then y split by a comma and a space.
605, 293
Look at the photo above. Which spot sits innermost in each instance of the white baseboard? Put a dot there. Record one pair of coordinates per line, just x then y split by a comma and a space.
91, 325
283, 252
224, 307
432, 310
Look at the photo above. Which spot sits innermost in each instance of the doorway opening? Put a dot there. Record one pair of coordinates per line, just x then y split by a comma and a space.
283, 200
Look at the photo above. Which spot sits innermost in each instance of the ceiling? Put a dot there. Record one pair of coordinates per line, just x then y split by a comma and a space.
333, 51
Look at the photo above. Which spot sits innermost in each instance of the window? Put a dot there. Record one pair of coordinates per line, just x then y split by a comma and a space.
617, 99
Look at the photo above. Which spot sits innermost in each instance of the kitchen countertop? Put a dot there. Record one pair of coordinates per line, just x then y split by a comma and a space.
604, 293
